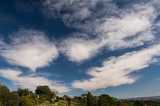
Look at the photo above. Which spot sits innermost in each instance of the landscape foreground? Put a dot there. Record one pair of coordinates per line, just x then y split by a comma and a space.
44, 96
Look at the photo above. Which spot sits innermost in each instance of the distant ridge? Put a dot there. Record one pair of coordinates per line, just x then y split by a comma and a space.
151, 98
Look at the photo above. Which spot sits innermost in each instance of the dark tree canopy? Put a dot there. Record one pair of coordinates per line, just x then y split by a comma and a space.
89, 99
105, 100
12, 99
45, 92
24, 92
3, 94
3, 90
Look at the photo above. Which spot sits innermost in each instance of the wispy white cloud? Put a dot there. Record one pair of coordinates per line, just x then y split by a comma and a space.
29, 48
70, 10
116, 71
126, 29
114, 27
75, 11
31, 82
131, 30
132, 25
78, 50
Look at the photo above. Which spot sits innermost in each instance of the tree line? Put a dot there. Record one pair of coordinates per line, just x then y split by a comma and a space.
43, 94
25, 97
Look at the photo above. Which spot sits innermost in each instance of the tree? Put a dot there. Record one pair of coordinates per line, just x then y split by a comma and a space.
28, 101
27, 98
89, 99
12, 99
3, 89
106, 100
24, 92
83, 95
45, 93
3, 93
68, 99
139, 103
94, 101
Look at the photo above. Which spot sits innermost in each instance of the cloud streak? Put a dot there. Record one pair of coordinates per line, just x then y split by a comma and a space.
31, 82
117, 70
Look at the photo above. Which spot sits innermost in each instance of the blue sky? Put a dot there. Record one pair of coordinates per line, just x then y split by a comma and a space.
75, 46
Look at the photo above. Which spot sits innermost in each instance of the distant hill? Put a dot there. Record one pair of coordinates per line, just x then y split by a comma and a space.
151, 98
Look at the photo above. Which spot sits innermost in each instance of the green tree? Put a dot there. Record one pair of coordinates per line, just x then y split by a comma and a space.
124, 103
3, 94
12, 99
89, 99
94, 101
83, 100
106, 100
28, 100
24, 92
139, 103
68, 99
45, 93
